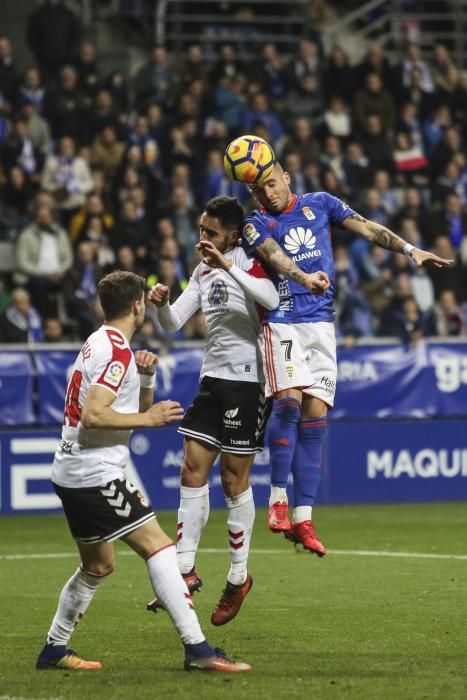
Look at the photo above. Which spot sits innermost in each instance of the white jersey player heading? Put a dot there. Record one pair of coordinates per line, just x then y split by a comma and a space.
93, 457
228, 300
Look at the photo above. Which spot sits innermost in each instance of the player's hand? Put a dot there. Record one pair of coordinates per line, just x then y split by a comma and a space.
159, 294
164, 413
212, 256
146, 362
423, 257
317, 282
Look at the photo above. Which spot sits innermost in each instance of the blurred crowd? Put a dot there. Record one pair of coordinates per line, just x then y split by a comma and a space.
105, 171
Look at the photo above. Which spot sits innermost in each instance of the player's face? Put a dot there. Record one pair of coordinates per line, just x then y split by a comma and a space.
211, 229
273, 193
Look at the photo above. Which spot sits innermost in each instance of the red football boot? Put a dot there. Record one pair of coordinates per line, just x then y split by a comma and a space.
278, 520
230, 602
193, 582
304, 533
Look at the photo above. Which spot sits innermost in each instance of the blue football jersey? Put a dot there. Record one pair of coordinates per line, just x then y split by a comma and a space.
303, 232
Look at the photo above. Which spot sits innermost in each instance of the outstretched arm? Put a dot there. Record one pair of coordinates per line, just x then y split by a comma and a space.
273, 255
385, 238
174, 316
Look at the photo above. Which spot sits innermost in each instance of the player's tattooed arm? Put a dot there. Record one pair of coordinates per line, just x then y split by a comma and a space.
375, 233
270, 251
273, 255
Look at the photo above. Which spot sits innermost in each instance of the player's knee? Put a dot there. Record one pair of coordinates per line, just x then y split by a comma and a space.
99, 570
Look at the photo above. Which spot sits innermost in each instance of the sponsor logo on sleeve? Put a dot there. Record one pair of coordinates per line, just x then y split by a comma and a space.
114, 373
250, 233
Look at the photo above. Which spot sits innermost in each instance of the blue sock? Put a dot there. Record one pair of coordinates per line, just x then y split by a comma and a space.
199, 650
54, 651
282, 439
306, 465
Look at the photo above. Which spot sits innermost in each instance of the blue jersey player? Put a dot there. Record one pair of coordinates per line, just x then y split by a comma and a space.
292, 235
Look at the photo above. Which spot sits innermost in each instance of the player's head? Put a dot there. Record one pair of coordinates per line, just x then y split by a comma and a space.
122, 296
222, 222
273, 192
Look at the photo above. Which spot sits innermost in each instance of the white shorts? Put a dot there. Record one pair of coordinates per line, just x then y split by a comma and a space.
300, 356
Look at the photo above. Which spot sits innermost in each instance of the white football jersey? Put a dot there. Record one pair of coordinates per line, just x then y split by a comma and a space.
232, 319
92, 457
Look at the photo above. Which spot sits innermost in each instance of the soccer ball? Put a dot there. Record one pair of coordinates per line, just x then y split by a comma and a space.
248, 159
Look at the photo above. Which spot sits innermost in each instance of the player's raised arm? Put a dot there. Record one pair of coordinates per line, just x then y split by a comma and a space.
146, 362
272, 254
255, 282
385, 238
174, 316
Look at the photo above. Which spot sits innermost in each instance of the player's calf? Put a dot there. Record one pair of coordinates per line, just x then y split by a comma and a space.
193, 582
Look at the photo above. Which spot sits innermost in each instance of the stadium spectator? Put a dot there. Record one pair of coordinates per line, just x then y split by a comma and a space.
377, 145
18, 150
68, 178
44, 256
8, 74
337, 118
375, 61
451, 220
227, 65
20, 323
448, 316
80, 290
37, 128
86, 67
373, 99
106, 151
413, 61
93, 208
54, 331
338, 76
52, 34
155, 80
65, 107
302, 139
31, 89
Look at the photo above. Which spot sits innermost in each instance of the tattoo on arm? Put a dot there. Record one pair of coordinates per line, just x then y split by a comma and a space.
357, 217
272, 254
386, 239
380, 235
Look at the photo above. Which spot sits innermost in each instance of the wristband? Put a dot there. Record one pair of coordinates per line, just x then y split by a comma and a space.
407, 249
147, 381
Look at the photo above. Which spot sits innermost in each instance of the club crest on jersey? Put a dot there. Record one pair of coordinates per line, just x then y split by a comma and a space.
308, 213
250, 233
114, 373
218, 294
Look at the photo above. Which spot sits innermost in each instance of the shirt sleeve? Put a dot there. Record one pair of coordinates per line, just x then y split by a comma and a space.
174, 316
255, 231
254, 280
111, 362
336, 209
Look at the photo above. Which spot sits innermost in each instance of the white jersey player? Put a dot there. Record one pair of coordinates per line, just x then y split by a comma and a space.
229, 411
110, 392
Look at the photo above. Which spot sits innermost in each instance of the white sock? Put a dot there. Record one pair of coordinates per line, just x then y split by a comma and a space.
193, 515
173, 593
301, 513
278, 493
240, 525
74, 600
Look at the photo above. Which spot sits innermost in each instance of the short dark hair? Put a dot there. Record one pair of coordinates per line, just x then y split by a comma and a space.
228, 210
118, 291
